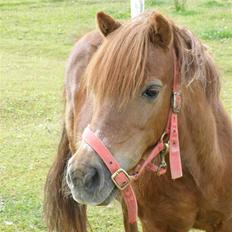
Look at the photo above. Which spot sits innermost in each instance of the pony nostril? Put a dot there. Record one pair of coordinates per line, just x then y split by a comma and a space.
91, 179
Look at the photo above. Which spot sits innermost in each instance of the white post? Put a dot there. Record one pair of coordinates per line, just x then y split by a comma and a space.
137, 7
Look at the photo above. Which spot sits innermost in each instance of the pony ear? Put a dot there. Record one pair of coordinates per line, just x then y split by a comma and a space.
160, 30
106, 23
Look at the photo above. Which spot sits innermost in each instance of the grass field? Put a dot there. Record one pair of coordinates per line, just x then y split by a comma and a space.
36, 37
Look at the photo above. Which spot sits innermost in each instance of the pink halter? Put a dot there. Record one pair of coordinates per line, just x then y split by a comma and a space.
120, 177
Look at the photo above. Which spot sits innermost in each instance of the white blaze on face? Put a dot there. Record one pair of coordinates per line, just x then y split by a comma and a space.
82, 145
119, 156
137, 7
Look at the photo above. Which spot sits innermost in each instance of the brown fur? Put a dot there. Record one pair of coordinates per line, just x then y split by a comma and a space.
203, 197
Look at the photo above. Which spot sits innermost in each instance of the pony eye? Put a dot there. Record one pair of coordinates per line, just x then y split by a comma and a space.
151, 92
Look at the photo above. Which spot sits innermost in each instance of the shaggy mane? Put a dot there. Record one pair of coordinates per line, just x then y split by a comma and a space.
118, 69
196, 63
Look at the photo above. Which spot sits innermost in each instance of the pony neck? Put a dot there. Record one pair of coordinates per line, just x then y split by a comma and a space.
199, 141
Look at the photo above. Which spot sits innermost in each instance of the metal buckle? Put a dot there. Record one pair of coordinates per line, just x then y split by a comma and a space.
124, 184
175, 104
163, 164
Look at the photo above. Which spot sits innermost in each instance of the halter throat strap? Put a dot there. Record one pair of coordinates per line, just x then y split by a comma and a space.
120, 177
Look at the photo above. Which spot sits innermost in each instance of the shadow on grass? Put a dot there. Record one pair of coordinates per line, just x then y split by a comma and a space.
216, 34
23, 3
158, 2
89, 2
186, 12
213, 3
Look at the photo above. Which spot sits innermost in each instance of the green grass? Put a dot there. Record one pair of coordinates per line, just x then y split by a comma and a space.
36, 37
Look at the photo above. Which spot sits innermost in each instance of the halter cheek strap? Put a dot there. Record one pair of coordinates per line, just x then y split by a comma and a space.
120, 177
174, 153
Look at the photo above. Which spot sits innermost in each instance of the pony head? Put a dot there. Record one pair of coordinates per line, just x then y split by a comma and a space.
128, 87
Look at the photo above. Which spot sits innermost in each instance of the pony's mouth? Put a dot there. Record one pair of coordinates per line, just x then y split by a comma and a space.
110, 197
105, 202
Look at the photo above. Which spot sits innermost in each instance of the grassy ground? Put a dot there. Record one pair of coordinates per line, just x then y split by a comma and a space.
36, 37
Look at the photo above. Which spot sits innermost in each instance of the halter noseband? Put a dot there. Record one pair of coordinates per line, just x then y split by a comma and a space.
120, 177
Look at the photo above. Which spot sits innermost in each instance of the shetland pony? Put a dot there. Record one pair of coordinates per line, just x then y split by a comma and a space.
119, 81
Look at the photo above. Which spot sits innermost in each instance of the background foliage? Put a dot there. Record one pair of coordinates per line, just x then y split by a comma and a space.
36, 38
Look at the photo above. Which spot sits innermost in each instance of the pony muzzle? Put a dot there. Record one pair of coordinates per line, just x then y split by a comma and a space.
88, 179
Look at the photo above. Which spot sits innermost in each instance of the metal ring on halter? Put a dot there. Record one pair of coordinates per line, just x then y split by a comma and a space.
162, 136
166, 148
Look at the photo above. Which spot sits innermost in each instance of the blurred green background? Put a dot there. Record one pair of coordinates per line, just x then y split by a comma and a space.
36, 38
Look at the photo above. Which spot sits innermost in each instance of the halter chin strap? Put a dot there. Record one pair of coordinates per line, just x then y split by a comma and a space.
120, 177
